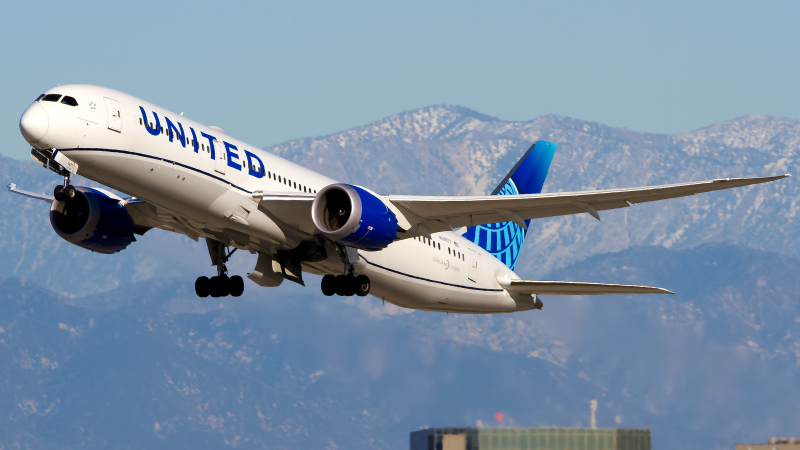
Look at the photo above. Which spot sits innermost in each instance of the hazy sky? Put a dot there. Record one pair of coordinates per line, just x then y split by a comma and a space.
268, 72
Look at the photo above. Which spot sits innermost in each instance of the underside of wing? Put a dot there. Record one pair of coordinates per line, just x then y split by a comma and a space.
291, 209
146, 216
444, 213
578, 288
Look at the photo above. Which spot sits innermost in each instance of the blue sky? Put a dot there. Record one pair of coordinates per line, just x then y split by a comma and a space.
267, 72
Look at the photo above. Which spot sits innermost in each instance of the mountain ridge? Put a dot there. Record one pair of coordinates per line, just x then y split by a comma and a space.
150, 365
464, 152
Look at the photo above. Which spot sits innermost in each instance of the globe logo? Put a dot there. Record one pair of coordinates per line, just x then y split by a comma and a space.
503, 240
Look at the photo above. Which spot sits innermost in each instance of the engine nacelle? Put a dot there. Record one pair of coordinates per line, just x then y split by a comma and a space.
352, 216
94, 220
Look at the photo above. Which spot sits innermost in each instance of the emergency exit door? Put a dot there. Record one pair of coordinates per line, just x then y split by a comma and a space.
473, 265
114, 115
222, 157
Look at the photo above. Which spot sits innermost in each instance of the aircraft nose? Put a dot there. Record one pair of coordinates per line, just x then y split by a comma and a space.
34, 123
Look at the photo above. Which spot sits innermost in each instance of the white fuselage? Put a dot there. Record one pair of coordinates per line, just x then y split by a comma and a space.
107, 137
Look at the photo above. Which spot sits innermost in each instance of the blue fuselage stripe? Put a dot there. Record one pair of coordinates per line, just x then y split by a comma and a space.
126, 152
428, 279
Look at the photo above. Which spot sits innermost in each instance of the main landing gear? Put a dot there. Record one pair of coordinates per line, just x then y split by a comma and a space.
220, 285
345, 285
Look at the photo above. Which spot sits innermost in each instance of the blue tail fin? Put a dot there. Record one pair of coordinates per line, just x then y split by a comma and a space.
504, 240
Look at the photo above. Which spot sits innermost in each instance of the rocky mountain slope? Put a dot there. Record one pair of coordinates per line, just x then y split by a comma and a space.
115, 350
151, 366
456, 151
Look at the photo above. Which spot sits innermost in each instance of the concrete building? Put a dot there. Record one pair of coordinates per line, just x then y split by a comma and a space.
531, 439
774, 443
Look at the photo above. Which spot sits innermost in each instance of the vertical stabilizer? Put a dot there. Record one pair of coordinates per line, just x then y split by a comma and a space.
504, 240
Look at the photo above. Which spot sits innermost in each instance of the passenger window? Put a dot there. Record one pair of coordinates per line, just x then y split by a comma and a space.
51, 98
448, 250
140, 120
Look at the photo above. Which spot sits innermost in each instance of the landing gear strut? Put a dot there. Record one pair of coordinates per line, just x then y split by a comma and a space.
348, 284
220, 285
345, 285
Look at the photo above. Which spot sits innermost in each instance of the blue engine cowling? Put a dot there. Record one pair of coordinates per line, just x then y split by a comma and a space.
94, 220
352, 216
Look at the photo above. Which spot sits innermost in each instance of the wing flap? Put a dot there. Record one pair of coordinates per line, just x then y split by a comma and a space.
578, 288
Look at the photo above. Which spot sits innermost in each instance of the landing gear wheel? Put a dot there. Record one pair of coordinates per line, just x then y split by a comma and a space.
69, 192
201, 287
362, 285
224, 285
213, 288
236, 285
350, 286
342, 287
58, 193
328, 285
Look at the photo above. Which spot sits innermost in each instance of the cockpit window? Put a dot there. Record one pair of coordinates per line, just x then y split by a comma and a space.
69, 101
51, 98
39, 98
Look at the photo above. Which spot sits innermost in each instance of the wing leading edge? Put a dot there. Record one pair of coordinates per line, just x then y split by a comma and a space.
444, 213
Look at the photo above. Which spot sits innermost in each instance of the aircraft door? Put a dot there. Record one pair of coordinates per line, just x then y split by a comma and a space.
473, 265
114, 115
222, 157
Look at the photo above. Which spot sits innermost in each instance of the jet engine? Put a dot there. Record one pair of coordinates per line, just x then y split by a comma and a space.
94, 220
353, 216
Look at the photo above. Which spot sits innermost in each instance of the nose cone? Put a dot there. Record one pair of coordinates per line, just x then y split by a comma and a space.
34, 123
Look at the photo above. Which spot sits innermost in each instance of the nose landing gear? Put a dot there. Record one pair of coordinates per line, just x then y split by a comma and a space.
220, 285
65, 191
345, 285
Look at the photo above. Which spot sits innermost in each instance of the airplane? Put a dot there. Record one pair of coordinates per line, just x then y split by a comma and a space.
436, 253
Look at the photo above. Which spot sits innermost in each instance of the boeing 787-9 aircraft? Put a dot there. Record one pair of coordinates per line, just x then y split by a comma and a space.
440, 253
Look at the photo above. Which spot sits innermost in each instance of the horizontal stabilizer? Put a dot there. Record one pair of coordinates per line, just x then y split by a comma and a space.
577, 288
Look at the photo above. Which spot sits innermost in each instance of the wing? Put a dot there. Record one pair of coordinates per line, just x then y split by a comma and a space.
445, 213
145, 216
292, 209
576, 288
12, 187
